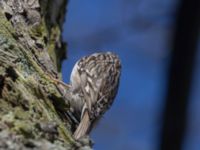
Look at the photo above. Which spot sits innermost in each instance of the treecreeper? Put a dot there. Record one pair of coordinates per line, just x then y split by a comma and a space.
94, 85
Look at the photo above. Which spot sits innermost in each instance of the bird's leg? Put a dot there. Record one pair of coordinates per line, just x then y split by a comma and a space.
57, 81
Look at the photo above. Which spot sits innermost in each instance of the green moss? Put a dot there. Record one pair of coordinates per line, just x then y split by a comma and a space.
55, 34
39, 30
25, 128
6, 27
9, 118
21, 114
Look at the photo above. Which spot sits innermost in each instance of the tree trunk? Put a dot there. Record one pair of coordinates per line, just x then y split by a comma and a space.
33, 100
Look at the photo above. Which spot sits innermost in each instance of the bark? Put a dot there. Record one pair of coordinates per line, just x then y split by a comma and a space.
33, 102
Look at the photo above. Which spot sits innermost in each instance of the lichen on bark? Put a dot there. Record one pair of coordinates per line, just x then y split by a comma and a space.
32, 103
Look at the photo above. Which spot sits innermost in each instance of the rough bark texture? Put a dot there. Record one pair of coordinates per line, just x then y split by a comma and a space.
32, 102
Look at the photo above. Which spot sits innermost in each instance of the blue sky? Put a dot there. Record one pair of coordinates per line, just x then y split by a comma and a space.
139, 31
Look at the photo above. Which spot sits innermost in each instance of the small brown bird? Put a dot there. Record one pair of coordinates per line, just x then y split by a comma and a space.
94, 83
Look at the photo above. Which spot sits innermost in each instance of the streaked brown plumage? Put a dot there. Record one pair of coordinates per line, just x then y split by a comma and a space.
94, 81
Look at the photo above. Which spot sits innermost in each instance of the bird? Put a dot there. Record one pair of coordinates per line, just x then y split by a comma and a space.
94, 84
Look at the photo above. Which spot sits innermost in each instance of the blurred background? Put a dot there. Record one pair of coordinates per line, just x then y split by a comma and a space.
141, 33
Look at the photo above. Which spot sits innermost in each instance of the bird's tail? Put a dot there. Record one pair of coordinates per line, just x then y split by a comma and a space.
83, 126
